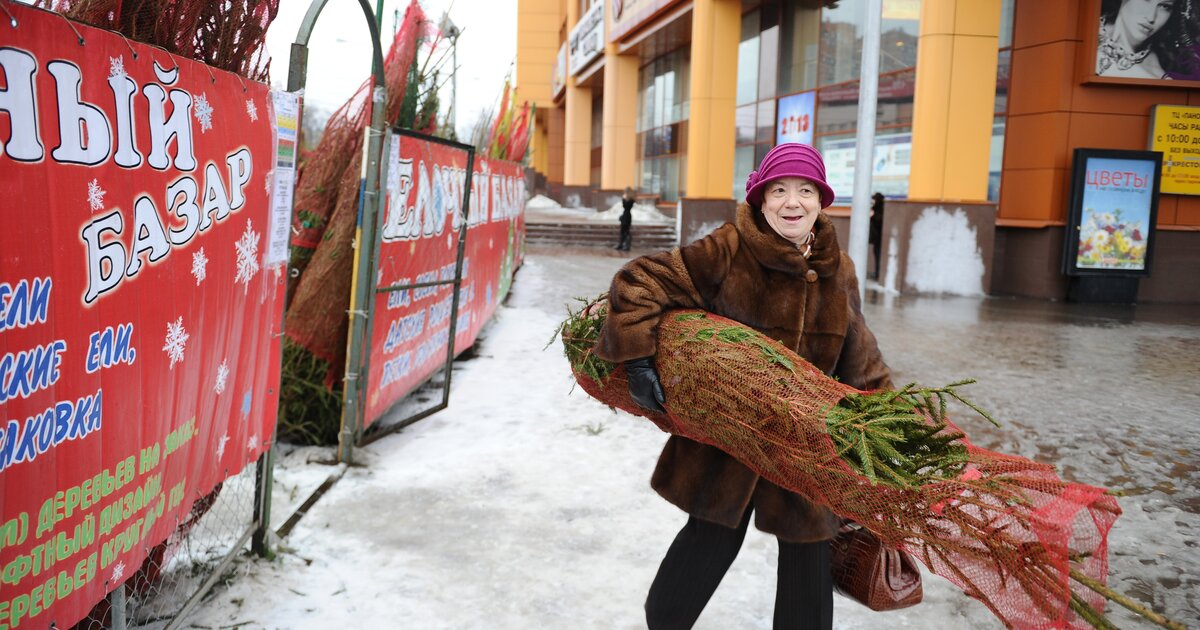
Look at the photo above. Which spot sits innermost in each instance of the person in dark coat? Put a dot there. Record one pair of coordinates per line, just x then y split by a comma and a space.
875, 234
778, 269
627, 201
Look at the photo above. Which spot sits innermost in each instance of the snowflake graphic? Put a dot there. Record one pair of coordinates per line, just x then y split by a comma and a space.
200, 266
222, 374
204, 112
176, 340
252, 443
118, 572
116, 67
221, 446
95, 195
247, 256
251, 110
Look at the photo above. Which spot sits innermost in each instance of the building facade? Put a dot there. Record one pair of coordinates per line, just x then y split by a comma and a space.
981, 105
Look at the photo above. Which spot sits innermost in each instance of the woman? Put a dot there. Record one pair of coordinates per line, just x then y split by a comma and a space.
626, 220
1146, 39
778, 269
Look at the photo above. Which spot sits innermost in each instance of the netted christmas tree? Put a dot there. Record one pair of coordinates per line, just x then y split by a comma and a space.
1006, 530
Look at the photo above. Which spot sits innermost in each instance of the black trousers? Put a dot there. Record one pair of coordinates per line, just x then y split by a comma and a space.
626, 241
699, 558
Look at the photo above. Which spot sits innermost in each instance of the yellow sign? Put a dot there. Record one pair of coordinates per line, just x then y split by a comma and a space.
1175, 131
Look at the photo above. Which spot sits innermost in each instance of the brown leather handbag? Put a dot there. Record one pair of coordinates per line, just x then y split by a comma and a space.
871, 573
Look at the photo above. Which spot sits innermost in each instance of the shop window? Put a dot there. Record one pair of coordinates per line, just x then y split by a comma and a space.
597, 152
747, 73
800, 31
662, 123
842, 28
999, 123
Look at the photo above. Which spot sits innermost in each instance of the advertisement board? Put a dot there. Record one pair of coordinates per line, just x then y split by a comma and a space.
795, 120
422, 222
1114, 205
1175, 132
139, 319
889, 169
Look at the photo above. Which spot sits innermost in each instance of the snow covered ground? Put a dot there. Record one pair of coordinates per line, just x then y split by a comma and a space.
526, 504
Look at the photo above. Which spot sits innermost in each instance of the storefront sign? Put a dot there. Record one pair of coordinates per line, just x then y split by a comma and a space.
410, 331
558, 74
1175, 132
1114, 204
795, 119
587, 38
139, 319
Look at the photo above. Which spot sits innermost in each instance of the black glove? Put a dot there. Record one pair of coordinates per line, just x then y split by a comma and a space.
644, 385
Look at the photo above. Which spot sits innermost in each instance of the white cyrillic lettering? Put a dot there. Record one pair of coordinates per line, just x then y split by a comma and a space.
77, 118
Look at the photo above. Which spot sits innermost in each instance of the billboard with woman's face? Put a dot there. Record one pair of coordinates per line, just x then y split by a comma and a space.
1146, 41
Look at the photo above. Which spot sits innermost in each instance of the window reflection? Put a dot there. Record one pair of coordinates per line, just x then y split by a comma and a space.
662, 114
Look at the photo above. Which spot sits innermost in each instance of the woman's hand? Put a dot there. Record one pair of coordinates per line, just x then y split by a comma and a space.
644, 386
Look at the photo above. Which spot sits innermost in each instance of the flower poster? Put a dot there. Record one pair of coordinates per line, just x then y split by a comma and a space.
1113, 211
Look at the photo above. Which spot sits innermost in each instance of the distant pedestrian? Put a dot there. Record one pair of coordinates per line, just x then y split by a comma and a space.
875, 235
626, 220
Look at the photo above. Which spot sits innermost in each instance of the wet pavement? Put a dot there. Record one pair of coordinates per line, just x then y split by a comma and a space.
1110, 395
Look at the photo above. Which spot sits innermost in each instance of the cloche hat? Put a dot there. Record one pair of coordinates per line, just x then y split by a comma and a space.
791, 159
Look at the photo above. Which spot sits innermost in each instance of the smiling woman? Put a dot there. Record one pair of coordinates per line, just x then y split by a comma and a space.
1148, 39
779, 270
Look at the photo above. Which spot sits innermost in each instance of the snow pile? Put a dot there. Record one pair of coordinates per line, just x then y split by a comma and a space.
642, 213
542, 202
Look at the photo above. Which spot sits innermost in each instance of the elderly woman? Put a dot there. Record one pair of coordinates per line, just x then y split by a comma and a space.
778, 269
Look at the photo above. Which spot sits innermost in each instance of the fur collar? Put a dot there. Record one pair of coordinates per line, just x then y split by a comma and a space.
775, 252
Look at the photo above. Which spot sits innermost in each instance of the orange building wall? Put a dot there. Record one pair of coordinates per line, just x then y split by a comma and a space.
1050, 113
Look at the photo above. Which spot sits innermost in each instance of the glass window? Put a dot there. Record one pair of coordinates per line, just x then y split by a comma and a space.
1006, 23
1003, 68
800, 31
841, 38
662, 126
597, 119
768, 59
747, 72
766, 122
743, 163
744, 121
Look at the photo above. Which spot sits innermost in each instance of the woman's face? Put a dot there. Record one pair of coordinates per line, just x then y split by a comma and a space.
1139, 20
791, 206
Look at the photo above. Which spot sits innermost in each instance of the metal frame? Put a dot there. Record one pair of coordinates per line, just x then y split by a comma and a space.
368, 210
457, 282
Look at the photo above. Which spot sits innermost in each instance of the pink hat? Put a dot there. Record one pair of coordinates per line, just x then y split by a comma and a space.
789, 160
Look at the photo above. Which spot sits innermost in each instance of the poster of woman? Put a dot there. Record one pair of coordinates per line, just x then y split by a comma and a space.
1155, 40
1114, 203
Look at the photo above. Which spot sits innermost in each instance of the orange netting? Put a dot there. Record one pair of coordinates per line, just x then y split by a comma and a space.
327, 198
1005, 529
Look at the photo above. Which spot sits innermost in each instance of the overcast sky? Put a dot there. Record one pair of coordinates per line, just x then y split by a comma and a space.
340, 50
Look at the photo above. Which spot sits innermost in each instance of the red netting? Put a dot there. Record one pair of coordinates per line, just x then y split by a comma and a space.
1006, 530
229, 35
327, 210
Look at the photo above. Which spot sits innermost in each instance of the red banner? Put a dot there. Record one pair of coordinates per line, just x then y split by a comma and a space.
139, 319
419, 243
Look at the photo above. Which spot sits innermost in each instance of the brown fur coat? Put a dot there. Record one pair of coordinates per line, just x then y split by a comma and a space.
747, 272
